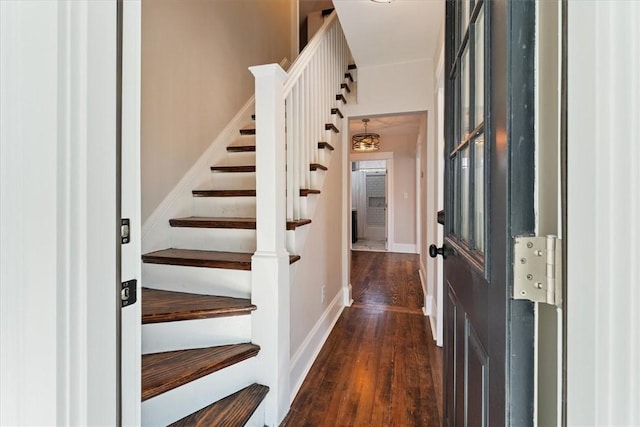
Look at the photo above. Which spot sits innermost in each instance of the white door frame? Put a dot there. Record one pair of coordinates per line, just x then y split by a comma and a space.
388, 156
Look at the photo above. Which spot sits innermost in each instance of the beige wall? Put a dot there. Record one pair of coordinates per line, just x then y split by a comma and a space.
195, 56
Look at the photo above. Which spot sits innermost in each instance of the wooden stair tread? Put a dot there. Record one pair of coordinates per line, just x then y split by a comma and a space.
208, 259
234, 168
224, 193
247, 131
304, 192
325, 145
348, 76
248, 148
317, 166
352, 67
340, 97
338, 112
346, 87
232, 411
227, 222
165, 371
168, 306
332, 127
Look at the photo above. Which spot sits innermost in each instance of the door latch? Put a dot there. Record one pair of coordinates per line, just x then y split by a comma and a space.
125, 231
537, 269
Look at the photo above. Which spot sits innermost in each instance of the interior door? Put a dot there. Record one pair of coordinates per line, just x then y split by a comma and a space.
489, 199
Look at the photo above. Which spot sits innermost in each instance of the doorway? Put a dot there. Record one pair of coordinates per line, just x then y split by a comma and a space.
369, 205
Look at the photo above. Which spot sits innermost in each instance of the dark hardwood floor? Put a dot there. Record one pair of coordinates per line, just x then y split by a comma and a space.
380, 365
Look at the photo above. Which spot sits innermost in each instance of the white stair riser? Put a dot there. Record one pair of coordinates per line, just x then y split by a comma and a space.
240, 158
214, 239
317, 178
257, 419
173, 405
187, 334
244, 207
199, 280
324, 156
233, 180
296, 238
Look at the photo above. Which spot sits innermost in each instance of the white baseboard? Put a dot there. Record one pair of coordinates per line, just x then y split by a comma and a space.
156, 230
426, 307
434, 332
403, 248
304, 357
347, 300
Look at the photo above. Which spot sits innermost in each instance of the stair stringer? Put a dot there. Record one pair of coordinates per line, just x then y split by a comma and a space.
156, 232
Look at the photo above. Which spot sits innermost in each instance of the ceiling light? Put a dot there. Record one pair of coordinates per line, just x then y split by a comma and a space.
366, 141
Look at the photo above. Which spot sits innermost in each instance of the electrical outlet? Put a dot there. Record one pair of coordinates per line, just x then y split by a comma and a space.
323, 295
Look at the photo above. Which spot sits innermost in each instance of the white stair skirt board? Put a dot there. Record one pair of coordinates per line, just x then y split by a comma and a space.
258, 418
175, 404
304, 357
179, 201
214, 239
199, 280
242, 207
187, 334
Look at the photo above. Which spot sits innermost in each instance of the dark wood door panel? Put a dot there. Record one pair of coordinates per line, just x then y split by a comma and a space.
476, 380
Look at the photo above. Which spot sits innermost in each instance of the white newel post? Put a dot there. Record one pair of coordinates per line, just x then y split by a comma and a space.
270, 263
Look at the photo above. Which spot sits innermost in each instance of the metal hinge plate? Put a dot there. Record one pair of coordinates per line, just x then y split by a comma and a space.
537, 269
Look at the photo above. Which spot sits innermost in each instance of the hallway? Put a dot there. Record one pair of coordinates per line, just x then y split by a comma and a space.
380, 365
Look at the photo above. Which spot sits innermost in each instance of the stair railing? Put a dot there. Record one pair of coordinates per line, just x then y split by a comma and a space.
292, 110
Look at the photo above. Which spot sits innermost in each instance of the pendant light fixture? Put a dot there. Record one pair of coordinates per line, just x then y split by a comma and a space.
366, 141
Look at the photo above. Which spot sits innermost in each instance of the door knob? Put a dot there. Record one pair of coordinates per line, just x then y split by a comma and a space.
434, 251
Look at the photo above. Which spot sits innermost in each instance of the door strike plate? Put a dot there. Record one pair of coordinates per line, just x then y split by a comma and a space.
125, 231
129, 292
537, 269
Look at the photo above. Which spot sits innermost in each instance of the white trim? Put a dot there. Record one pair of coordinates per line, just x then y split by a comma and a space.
131, 336
347, 299
603, 179
312, 344
403, 248
156, 230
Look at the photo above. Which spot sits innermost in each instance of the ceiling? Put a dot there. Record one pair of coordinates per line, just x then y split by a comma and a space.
398, 124
389, 33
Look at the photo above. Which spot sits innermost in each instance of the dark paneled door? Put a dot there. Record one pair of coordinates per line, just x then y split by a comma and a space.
489, 173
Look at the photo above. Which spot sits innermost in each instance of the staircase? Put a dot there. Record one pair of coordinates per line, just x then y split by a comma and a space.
215, 302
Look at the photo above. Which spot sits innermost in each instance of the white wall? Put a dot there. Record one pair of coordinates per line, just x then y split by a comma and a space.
195, 77
603, 338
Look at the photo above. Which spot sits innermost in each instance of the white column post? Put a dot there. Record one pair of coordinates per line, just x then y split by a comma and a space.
270, 263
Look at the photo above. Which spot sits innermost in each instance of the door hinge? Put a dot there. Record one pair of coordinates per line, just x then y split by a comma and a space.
129, 292
537, 269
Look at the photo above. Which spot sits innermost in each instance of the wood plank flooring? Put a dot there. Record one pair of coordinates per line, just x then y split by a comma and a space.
379, 366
